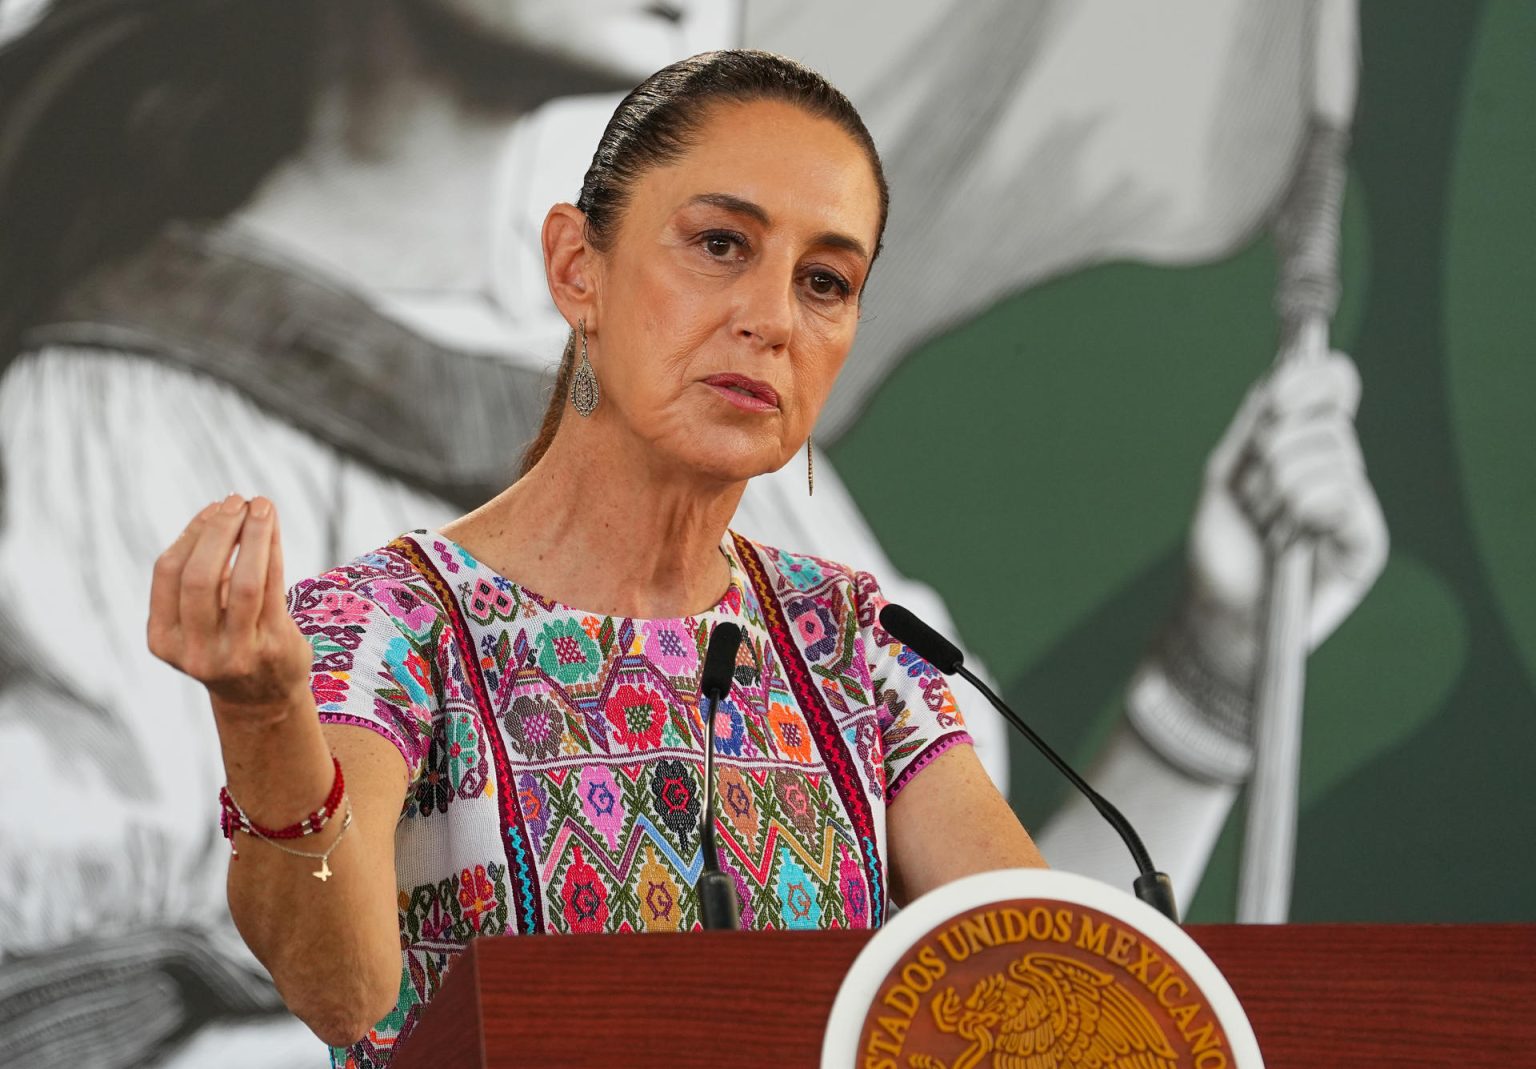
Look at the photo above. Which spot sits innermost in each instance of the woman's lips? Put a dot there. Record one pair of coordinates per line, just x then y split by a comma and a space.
745, 393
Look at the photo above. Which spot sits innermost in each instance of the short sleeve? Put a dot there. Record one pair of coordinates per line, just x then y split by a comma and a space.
375, 664
917, 715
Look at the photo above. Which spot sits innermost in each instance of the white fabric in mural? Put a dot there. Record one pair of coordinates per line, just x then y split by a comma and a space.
1026, 138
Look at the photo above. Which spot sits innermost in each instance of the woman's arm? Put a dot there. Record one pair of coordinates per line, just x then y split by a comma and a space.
949, 821
331, 945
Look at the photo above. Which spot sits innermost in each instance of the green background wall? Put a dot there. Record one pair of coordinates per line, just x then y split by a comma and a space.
1070, 425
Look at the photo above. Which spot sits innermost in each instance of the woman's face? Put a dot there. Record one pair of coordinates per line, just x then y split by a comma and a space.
729, 298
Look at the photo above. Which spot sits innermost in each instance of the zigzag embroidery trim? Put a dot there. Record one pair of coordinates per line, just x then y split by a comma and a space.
527, 906
818, 717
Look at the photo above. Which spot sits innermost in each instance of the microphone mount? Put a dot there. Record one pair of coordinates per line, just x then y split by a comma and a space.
1151, 886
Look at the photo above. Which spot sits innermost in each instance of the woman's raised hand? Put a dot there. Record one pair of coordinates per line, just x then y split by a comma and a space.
1288, 466
218, 612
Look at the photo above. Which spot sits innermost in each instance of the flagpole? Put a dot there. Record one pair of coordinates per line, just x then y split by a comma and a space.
1307, 237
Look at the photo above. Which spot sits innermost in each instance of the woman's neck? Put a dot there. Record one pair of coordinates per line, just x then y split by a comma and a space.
611, 533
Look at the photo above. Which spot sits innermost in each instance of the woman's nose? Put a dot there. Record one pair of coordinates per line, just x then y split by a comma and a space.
766, 312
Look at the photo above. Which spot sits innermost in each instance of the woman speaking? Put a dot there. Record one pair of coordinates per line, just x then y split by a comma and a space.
494, 727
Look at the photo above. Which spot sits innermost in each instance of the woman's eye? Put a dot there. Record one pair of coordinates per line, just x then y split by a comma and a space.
826, 284
720, 245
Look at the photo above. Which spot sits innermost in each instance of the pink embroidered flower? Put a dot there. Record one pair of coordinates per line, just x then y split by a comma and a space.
486, 601
602, 802
637, 715
404, 604
850, 882
670, 647
731, 603
338, 608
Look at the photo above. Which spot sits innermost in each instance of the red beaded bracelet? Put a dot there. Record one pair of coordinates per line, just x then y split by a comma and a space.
232, 818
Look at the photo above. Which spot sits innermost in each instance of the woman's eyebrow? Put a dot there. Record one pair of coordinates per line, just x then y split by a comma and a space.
731, 203
735, 204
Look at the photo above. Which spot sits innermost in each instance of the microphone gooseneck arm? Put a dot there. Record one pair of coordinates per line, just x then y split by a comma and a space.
707, 835
719, 909
1151, 886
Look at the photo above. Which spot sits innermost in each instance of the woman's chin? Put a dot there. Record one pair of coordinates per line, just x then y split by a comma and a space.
733, 466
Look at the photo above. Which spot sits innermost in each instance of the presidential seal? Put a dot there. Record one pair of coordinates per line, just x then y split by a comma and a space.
1035, 970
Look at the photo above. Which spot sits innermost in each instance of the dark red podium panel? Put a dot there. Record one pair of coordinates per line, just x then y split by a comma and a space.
1318, 995
1405, 995
698, 1000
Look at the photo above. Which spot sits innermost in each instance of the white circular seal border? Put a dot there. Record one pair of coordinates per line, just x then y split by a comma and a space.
840, 1046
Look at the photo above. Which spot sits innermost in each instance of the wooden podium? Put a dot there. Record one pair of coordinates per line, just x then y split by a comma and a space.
1318, 995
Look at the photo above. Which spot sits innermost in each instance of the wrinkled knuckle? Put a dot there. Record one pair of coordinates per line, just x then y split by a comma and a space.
245, 589
199, 583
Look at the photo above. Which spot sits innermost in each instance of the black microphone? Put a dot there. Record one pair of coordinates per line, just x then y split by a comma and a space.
1152, 887
718, 906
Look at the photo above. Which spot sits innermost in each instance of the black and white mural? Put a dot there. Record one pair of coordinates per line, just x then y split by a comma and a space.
292, 249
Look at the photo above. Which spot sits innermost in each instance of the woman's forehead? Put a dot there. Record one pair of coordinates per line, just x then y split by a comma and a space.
799, 169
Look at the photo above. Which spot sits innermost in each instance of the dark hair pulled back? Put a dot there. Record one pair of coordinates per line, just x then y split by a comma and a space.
656, 124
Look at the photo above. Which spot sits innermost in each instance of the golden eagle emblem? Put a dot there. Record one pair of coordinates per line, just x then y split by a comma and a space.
1049, 1011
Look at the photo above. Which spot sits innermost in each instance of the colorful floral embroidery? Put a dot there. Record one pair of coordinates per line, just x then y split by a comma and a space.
413, 612
567, 653
637, 715
670, 647
329, 688
602, 802
798, 907
570, 744
814, 628
676, 797
803, 573
585, 896
534, 725
338, 608
659, 895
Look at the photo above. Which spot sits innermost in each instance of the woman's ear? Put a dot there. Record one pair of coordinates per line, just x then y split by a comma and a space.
570, 264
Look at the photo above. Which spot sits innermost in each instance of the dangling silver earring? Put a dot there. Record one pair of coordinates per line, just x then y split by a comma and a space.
584, 391
810, 467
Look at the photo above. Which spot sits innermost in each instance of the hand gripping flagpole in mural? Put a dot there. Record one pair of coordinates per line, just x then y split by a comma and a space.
1307, 235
